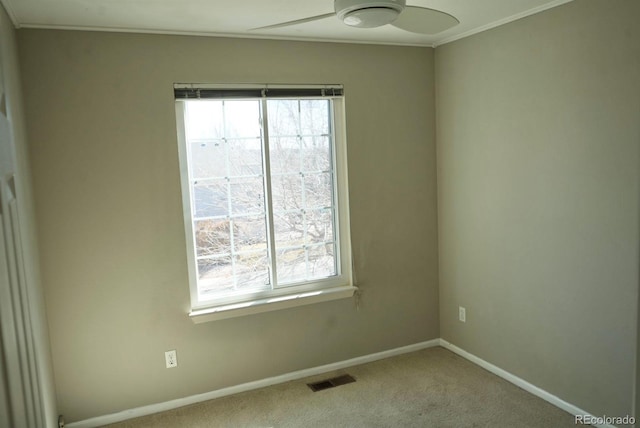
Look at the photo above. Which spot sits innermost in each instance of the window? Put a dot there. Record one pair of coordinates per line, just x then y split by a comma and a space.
263, 174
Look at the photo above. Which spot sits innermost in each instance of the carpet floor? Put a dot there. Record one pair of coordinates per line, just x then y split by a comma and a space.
429, 388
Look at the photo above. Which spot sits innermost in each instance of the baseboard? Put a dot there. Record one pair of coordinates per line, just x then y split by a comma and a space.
181, 402
558, 402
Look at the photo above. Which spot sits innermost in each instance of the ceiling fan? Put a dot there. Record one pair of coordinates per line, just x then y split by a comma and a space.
376, 13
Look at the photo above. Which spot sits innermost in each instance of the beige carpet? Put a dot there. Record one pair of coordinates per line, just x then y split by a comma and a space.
428, 388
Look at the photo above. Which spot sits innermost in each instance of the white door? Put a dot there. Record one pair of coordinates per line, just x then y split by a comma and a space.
19, 393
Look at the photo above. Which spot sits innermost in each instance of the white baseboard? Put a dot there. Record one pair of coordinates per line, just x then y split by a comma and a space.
558, 402
181, 402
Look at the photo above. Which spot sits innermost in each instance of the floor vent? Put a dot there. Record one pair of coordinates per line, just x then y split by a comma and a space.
330, 383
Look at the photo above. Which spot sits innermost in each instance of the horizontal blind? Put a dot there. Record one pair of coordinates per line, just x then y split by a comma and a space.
194, 91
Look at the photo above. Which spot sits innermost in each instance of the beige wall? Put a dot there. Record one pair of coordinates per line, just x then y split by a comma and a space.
12, 108
103, 142
538, 149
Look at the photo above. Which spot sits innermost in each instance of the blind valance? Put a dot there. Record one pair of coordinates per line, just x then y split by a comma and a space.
203, 91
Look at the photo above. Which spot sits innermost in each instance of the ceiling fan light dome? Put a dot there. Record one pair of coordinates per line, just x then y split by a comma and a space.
368, 14
371, 17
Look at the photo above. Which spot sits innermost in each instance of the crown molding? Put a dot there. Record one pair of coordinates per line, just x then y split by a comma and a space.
502, 21
8, 7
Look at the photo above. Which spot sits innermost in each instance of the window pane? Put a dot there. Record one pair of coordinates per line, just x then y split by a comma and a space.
306, 263
204, 120
245, 157
289, 229
215, 275
319, 226
302, 189
291, 265
316, 154
242, 119
210, 198
249, 233
284, 154
226, 275
322, 261
314, 117
284, 118
212, 237
247, 196
207, 159
318, 190
287, 192
252, 271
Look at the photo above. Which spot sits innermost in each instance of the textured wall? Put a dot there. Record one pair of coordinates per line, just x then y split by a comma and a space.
102, 137
538, 149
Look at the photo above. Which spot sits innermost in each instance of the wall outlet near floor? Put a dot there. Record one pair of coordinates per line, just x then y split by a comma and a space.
171, 359
462, 314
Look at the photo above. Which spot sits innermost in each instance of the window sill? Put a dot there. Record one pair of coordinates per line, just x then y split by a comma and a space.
271, 304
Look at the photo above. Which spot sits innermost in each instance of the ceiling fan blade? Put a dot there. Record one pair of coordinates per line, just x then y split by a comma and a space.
424, 21
297, 21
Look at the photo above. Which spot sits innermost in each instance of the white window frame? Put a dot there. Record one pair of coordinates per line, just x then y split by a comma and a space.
336, 287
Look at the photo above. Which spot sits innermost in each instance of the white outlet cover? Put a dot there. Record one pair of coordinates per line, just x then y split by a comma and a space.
171, 359
462, 314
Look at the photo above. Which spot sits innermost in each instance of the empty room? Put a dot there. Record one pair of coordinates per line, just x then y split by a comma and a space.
427, 210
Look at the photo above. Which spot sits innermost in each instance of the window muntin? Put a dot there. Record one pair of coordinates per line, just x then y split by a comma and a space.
263, 195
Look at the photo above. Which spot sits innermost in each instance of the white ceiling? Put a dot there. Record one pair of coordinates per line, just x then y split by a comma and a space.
236, 17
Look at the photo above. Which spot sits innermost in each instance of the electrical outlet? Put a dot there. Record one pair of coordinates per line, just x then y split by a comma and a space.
171, 359
462, 314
